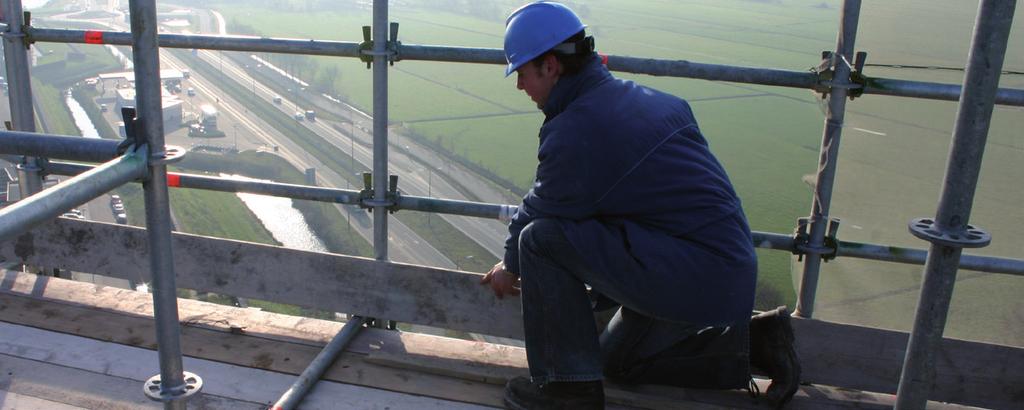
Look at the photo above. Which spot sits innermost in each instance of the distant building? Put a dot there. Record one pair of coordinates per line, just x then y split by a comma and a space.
176, 14
172, 107
129, 76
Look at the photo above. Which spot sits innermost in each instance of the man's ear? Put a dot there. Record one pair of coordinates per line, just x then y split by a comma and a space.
551, 66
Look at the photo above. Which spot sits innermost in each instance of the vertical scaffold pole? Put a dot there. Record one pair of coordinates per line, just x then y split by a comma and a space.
20, 93
172, 386
974, 114
380, 128
829, 157
380, 136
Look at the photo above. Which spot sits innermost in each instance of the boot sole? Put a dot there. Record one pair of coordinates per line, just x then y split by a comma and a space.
511, 405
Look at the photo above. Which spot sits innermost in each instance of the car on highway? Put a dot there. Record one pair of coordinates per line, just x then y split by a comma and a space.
277, 99
191, 92
299, 115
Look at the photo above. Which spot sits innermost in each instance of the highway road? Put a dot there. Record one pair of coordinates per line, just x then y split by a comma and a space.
428, 175
404, 244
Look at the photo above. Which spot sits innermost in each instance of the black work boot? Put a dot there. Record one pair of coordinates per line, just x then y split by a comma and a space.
772, 350
523, 394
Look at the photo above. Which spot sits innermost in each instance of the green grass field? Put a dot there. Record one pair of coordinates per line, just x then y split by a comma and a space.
200, 212
52, 114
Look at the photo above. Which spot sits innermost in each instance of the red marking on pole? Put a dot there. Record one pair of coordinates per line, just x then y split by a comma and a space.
276, 408
93, 37
173, 179
604, 58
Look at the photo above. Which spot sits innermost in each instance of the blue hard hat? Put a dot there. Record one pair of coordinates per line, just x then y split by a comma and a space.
534, 29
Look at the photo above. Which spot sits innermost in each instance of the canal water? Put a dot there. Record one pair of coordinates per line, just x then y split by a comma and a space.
284, 222
82, 120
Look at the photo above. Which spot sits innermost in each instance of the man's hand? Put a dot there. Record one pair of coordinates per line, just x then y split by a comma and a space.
502, 282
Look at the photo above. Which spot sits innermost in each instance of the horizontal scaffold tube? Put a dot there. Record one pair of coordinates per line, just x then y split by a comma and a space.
918, 256
935, 91
635, 65
57, 146
50, 203
312, 193
764, 240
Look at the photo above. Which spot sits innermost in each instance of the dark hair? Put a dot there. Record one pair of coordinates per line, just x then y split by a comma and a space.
571, 63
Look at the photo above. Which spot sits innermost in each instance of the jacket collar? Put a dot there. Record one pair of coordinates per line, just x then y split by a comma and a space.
570, 87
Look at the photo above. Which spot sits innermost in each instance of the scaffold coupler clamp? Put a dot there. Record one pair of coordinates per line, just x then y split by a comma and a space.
394, 46
368, 201
366, 48
156, 391
169, 154
366, 194
393, 194
969, 236
391, 49
26, 30
857, 75
24, 35
131, 141
826, 71
802, 239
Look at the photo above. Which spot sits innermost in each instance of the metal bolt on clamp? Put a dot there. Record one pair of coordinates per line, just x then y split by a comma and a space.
970, 237
153, 389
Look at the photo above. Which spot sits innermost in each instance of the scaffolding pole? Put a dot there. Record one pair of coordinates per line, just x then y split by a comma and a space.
633, 65
935, 91
829, 157
949, 232
382, 54
380, 129
763, 240
173, 386
58, 146
884, 253
23, 215
294, 395
19, 82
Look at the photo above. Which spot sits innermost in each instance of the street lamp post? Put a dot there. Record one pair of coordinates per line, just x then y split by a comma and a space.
352, 146
430, 178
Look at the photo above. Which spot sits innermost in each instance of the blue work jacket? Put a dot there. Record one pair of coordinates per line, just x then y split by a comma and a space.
625, 170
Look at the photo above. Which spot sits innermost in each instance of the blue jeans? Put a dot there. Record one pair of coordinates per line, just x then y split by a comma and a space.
562, 342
